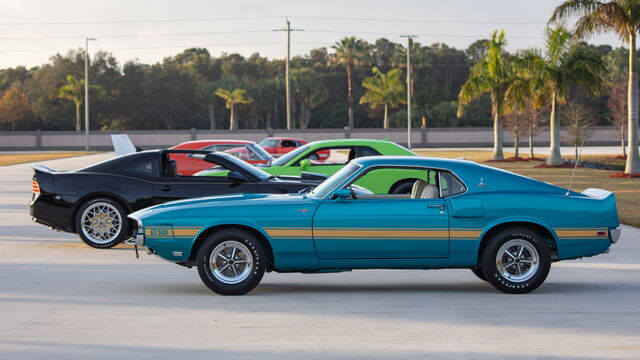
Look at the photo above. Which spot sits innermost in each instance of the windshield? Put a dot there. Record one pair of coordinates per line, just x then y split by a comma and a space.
262, 153
289, 156
269, 143
262, 175
336, 179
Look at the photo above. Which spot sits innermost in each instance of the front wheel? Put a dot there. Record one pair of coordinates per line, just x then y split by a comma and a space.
231, 262
102, 223
516, 261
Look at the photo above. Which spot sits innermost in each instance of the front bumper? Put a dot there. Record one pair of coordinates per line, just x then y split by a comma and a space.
614, 234
138, 232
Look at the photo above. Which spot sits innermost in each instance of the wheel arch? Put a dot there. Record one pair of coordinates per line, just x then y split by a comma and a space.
260, 235
95, 195
545, 231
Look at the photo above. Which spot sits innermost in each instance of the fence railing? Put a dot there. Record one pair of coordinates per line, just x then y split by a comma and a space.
421, 137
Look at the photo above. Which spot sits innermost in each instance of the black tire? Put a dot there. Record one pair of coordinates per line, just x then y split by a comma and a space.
404, 187
477, 271
214, 279
523, 276
114, 211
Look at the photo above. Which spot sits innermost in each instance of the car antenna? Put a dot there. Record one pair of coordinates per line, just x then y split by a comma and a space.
576, 166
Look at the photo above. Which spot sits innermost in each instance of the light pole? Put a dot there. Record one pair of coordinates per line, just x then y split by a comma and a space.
86, 93
287, 81
409, 37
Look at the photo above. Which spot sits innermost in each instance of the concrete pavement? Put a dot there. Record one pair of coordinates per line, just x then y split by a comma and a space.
60, 299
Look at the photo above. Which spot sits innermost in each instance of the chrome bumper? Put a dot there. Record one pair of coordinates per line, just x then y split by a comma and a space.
139, 240
615, 234
138, 237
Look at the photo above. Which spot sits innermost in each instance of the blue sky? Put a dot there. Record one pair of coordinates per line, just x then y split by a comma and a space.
151, 30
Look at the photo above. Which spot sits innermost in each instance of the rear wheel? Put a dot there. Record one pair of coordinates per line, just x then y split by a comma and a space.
102, 223
516, 261
231, 262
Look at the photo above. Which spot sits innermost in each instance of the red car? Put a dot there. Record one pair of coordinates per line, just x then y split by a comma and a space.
248, 151
278, 146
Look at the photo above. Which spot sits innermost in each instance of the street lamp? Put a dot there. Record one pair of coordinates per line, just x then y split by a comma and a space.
86, 93
409, 37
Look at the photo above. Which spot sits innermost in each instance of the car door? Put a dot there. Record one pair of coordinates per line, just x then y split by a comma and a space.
383, 226
382, 229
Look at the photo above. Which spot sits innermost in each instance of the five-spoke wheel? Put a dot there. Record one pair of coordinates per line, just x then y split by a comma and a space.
231, 262
516, 260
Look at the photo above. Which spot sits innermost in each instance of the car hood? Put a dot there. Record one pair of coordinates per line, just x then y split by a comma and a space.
217, 201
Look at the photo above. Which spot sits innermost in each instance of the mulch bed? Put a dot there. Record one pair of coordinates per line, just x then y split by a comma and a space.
534, 159
511, 159
619, 157
564, 165
621, 174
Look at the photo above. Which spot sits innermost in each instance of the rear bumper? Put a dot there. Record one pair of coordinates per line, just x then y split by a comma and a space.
614, 234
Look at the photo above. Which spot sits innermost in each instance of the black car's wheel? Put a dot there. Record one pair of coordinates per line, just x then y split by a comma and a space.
516, 261
231, 262
477, 271
102, 223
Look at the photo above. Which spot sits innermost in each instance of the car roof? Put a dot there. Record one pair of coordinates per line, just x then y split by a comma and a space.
213, 142
347, 142
282, 138
413, 161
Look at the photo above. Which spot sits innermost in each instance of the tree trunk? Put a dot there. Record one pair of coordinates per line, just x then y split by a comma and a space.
305, 116
78, 121
575, 149
350, 92
212, 115
232, 118
633, 158
555, 158
516, 145
531, 154
385, 122
498, 131
622, 145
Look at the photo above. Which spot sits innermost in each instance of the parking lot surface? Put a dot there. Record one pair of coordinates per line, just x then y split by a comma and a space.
60, 299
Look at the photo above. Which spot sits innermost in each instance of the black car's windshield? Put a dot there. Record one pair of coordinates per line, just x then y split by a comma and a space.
244, 166
336, 179
289, 156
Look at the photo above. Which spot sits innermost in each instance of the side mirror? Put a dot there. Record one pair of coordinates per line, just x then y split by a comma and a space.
305, 164
343, 194
236, 177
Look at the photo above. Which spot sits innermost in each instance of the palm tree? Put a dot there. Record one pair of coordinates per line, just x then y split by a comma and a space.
550, 76
493, 75
384, 90
623, 18
74, 91
310, 91
351, 51
233, 98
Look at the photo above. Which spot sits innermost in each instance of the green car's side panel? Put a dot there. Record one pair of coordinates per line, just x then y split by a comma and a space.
308, 234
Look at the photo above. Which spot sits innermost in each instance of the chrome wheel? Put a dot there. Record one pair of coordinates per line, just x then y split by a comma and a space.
231, 262
101, 223
517, 260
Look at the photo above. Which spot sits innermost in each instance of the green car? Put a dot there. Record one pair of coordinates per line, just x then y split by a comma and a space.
328, 156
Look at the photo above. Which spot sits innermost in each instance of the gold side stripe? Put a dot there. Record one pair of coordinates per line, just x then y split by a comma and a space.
381, 233
578, 233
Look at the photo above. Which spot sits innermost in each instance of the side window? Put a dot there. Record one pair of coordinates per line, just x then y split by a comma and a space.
366, 151
146, 167
450, 185
331, 156
288, 143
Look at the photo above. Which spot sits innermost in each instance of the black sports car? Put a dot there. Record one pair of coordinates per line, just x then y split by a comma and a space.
94, 201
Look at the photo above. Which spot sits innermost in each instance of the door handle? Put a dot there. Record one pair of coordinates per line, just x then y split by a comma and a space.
167, 188
436, 206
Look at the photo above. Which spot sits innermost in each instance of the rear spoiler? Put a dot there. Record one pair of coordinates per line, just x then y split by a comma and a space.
123, 145
597, 193
44, 177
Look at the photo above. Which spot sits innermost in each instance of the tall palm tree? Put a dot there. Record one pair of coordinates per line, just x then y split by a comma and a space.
351, 51
493, 75
310, 91
233, 98
550, 76
623, 18
74, 90
384, 90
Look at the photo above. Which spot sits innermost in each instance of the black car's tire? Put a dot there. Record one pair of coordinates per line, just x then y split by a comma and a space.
102, 223
477, 271
403, 187
516, 261
231, 262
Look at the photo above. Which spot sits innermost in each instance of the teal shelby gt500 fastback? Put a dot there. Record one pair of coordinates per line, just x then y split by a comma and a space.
506, 228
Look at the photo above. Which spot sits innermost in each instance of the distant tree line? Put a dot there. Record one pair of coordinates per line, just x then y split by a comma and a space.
353, 83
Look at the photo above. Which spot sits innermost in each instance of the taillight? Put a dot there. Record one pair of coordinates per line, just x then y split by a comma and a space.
35, 188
